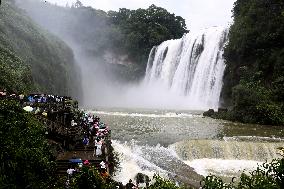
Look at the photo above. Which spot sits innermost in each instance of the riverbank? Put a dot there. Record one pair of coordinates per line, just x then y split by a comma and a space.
234, 116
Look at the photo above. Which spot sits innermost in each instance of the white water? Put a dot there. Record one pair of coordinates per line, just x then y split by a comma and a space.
222, 167
164, 115
132, 162
183, 74
177, 144
190, 69
228, 157
165, 161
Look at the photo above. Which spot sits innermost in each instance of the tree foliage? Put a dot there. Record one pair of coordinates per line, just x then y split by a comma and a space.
25, 159
144, 28
161, 183
90, 178
255, 62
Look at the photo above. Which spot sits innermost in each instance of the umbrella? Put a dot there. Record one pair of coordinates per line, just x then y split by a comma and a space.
28, 108
77, 160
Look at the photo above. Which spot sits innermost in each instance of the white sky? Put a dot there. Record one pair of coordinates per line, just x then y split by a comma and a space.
199, 14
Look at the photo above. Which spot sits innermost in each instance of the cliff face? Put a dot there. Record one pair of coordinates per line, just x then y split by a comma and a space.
49, 60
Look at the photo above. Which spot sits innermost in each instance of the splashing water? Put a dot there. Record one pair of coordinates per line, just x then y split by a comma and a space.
133, 162
151, 160
183, 144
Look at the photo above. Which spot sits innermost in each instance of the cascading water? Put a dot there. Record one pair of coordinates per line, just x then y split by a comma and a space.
228, 157
228, 149
190, 68
183, 145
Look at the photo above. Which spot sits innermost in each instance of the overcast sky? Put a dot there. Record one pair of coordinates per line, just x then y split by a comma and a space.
199, 14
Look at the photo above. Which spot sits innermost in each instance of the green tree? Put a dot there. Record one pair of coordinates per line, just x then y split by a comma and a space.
161, 183
25, 159
144, 28
78, 4
255, 62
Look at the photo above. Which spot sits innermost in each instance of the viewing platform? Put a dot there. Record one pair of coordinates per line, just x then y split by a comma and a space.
80, 136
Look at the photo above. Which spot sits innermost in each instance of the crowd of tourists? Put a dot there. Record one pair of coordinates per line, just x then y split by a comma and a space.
94, 132
94, 135
35, 98
41, 103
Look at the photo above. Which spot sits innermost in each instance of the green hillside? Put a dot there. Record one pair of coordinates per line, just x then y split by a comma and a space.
254, 78
15, 75
26, 49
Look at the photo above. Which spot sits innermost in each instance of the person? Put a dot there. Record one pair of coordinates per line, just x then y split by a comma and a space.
97, 119
104, 174
98, 146
74, 156
67, 184
86, 141
129, 185
103, 165
95, 148
44, 113
37, 111
80, 165
21, 98
70, 172
73, 123
3, 93
90, 119
86, 162
31, 99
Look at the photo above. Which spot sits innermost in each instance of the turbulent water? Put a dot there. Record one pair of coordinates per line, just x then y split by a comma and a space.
184, 145
190, 68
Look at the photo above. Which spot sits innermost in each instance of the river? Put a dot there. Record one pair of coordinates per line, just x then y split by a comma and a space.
184, 145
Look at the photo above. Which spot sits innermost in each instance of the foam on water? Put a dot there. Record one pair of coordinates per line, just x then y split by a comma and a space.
221, 167
165, 115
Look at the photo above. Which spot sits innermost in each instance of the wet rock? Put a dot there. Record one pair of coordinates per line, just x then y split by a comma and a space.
209, 113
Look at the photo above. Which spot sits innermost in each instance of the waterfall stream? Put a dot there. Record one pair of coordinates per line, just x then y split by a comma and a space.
190, 68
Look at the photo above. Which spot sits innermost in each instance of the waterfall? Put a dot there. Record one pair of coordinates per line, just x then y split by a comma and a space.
229, 150
190, 68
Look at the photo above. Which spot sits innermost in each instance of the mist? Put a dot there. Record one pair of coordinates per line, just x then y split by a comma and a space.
107, 76
101, 83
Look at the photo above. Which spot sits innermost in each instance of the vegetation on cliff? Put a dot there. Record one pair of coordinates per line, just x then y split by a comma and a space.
254, 77
31, 50
14, 74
